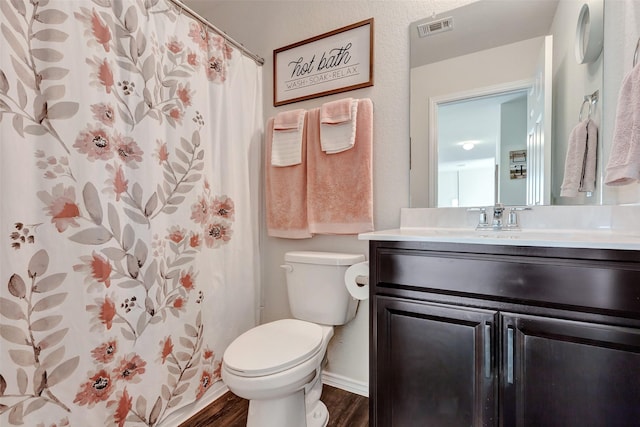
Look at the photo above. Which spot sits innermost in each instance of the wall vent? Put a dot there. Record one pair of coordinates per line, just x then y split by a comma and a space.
434, 27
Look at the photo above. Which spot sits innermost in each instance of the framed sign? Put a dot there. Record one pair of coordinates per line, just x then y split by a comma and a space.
333, 62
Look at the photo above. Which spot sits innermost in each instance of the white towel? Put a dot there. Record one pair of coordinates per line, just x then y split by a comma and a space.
580, 163
286, 147
624, 162
337, 128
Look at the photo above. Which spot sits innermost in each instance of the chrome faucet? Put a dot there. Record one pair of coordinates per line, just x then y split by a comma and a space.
498, 210
498, 221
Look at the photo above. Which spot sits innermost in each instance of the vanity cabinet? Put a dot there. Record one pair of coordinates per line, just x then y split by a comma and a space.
482, 335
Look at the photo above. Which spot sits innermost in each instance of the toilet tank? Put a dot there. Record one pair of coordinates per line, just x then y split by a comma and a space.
315, 284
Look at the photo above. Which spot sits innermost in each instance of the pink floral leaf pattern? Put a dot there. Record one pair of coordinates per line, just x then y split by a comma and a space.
39, 263
35, 121
47, 54
13, 334
63, 371
53, 73
155, 411
49, 283
136, 217
21, 357
183, 365
4, 84
52, 339
178, 175
46, 323
92, 236
11, 310
51, 16
51, 35
92, 203
139, 270
17, 49
16, 414
49, 302
159, 99
17, 287
114, 221
34, 405
62, 110
42, 357
11, 17
52, 359
20, 7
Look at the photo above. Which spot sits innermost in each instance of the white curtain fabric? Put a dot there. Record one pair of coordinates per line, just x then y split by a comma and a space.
129, 161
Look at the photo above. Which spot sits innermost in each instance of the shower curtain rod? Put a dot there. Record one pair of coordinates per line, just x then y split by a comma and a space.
259, 60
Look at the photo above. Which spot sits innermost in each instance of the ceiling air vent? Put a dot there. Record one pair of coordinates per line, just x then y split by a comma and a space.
434, 27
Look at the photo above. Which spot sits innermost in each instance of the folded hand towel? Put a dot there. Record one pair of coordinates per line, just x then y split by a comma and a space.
338, 125
340, 186
624, 162
286, 149
580, 163
288, 120
285, 194
337, 111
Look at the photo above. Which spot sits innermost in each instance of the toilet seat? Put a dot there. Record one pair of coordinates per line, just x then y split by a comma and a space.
273, 347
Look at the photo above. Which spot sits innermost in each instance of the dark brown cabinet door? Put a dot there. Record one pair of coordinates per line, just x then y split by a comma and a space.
568, 374
435, 365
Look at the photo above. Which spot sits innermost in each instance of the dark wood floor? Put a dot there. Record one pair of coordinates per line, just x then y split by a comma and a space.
345, 410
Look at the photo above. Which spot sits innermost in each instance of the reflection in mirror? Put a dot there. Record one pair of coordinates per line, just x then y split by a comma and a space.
494, 132
515, 62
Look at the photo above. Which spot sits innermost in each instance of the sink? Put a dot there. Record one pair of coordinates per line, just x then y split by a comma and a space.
605, 227
598, 238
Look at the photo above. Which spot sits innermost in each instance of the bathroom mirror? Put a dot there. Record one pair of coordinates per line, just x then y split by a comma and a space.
495, 91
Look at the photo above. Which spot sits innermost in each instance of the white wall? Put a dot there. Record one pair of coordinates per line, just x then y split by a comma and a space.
263, 26
571, 82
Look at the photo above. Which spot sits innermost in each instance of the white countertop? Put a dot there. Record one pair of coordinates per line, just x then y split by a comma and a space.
595, 239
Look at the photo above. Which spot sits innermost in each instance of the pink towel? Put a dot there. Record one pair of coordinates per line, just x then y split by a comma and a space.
624, 162
286, 194
336, 111
287, 120
338, 125
580, 163
340, 186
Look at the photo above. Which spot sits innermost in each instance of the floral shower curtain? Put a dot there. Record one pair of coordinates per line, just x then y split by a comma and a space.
128, 208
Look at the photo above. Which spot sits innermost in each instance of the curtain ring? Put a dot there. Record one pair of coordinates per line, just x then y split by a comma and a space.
587, 100
635, 53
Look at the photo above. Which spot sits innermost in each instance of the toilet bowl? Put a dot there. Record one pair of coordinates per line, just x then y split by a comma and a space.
278, 369
277, 366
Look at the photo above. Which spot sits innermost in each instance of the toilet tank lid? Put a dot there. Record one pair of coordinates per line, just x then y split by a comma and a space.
325, 258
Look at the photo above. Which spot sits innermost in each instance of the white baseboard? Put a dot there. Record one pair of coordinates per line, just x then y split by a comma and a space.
183, 414
345, 383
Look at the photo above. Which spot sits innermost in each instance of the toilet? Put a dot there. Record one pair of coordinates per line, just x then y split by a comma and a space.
277, 366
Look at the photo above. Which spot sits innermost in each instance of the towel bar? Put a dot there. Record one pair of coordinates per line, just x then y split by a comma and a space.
635, 53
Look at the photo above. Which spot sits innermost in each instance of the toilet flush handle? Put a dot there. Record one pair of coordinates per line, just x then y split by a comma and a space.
287, 267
